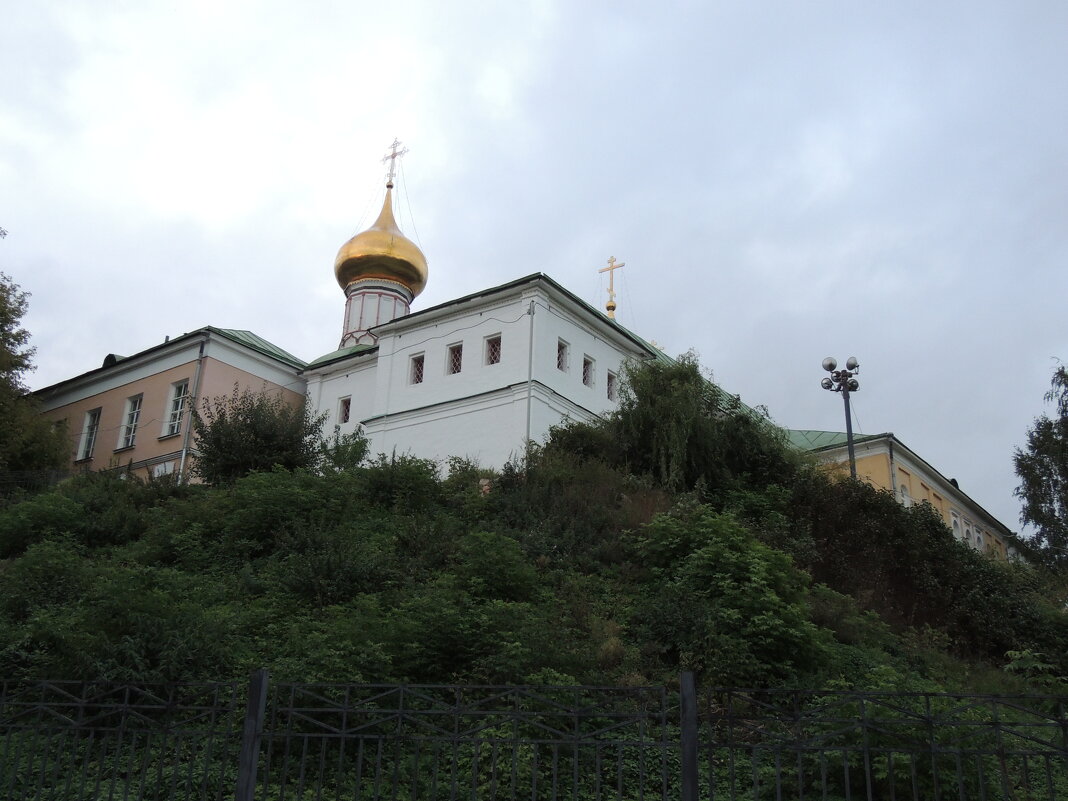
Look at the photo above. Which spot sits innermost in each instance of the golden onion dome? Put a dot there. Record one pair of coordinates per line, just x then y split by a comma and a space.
383, 252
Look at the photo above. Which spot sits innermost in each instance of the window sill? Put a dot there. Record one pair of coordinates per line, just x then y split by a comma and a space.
170, 436
86, 460
124, 449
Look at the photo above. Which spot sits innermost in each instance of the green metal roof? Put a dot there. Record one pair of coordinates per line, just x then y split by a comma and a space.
342, 353
809, 440
256, 342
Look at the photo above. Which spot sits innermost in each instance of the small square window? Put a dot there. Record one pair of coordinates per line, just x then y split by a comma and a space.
587, 371
612, 387
454, 361
561, 355
415, 374
493, 349
344, 409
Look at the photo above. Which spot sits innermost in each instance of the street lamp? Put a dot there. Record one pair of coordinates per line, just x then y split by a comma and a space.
843, 381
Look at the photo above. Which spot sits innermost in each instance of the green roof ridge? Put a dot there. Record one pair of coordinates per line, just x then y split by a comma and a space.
258, 343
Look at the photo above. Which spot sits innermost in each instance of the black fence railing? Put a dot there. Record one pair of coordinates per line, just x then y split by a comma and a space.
867, 745
74, 740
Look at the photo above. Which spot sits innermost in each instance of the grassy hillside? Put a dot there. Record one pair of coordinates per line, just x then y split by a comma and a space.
679, 534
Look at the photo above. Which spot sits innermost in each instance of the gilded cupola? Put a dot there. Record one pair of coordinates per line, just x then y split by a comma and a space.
382, 253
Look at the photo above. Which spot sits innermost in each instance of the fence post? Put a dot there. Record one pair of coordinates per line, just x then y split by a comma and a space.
249, 757
688, 704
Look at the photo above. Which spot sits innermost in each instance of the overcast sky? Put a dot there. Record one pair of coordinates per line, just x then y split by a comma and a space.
784, 181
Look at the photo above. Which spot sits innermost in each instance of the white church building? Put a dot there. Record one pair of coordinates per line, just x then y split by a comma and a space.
477, 377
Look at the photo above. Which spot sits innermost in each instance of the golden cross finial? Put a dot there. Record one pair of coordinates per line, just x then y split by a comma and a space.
610, 269
396, 151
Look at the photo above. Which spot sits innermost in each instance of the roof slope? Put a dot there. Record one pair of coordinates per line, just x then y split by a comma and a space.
258, 343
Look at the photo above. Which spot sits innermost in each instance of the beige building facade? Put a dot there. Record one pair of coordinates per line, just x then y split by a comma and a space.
887, 463
133, 413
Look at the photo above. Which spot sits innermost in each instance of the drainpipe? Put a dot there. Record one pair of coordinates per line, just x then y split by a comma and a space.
530, 370
893, 469
192, 401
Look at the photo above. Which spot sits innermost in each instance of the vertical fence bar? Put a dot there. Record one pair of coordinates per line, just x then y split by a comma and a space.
688, 710
249, 757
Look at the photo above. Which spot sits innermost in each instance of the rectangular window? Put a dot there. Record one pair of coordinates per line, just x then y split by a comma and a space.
415, 374
89, 429
163, 469
493, 349
344, 409
179, 394
561, 355
612, 387
128, 432
454, 362
588, 371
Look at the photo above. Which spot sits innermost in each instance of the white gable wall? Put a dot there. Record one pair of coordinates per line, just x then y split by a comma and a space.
484, 411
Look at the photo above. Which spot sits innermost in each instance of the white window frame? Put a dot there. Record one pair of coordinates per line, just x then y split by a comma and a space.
454, 358
493, 348
563, 355
612, 386
90, 429
589, 371
344, 409
417, 368
176, 407
131, 416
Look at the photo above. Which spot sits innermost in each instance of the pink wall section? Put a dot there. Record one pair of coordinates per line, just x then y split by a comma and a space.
152, 440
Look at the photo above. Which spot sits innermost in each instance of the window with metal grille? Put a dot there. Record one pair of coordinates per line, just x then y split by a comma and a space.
493, 349
128, 432
455, 359
344, 408
179, 393
612, 387
415, 375
92, 425
588, 371
561, 355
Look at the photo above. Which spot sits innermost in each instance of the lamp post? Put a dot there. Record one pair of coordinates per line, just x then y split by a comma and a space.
843, 381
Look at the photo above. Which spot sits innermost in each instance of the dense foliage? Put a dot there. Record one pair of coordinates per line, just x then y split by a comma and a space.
617, 553
1043, 470
27, 441
253, 430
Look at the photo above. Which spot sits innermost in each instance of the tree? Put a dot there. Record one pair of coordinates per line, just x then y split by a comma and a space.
27, 441
251, 431
677, 426
1043, 470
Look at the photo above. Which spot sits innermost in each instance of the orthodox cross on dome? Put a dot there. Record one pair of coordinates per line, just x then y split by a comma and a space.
396, 151
610, 269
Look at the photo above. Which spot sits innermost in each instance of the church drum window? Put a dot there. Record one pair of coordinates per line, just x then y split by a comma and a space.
454, 360
493, 349
415, 373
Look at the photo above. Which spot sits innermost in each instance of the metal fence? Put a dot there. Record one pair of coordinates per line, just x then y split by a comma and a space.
262, 740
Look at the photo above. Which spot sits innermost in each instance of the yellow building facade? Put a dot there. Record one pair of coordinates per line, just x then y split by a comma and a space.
887, 463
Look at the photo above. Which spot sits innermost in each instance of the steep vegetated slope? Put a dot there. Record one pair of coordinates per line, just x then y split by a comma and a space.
679, 534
